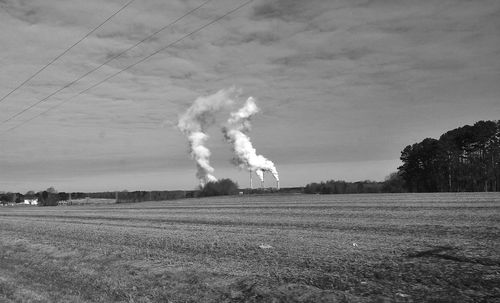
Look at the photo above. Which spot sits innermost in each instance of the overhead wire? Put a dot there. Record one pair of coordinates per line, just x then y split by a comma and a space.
104, 63
132, 65
66, 51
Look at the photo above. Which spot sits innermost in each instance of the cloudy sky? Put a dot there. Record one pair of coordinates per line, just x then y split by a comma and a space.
343, 86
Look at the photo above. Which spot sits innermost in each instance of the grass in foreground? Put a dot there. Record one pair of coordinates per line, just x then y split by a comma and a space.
345, 248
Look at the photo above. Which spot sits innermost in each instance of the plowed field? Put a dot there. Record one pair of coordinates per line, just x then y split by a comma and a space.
288, 248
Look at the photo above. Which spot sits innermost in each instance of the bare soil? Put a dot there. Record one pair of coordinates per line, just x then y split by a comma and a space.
291, 248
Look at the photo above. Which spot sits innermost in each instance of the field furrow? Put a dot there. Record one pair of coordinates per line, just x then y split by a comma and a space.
297, 248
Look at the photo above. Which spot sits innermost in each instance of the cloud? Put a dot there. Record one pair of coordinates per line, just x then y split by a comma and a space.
336, 80
289, 9
20, 10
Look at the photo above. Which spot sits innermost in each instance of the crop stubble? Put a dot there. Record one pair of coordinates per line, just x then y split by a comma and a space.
345, 248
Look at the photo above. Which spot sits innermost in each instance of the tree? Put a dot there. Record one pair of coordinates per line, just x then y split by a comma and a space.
51, 190
463, 159
219, 188
5, 198
422, 163
46, 198
394, 183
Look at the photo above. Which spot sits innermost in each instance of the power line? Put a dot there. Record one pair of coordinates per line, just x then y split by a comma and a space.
104, 63
132, 65
67, 50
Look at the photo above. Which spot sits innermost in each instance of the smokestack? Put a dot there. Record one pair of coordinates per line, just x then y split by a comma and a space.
235, 131
278, 184
251, 185
262, 182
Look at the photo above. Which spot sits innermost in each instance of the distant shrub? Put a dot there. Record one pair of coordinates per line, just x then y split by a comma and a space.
222, 187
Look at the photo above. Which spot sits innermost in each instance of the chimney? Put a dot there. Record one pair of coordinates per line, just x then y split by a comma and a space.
278, 184
251, 183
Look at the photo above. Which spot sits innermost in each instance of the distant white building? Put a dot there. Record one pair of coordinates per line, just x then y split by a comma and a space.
31, 201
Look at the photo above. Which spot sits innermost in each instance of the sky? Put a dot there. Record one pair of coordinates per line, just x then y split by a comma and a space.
343, 86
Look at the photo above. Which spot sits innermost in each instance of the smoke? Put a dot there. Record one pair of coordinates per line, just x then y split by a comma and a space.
194, 123
201, 115
246, 156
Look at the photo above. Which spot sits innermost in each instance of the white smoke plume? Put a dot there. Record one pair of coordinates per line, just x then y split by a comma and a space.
194, 123
246, 156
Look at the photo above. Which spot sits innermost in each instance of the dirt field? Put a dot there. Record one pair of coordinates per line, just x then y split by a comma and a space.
293, 248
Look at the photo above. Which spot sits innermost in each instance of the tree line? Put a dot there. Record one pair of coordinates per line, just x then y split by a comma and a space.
392, 184
463, 159
51, 197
